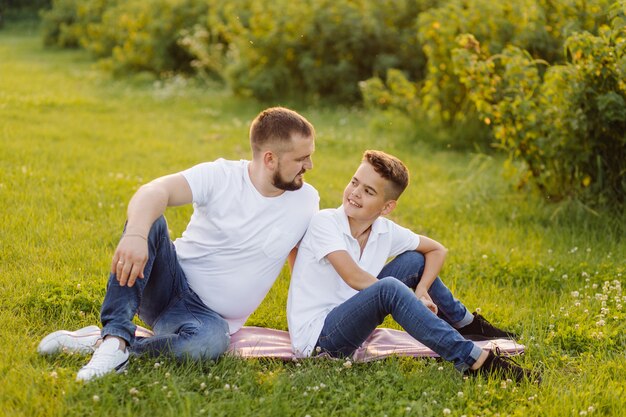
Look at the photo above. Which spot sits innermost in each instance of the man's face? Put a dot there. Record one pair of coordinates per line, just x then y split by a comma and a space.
364, 196
292, 164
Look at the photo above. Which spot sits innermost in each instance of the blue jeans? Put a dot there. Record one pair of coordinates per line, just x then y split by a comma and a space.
348, 325
183, 325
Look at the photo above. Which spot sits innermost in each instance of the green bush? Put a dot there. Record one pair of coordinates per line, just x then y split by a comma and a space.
323, 48
143, 35
66, 23
539, 26
570, 127
134, 35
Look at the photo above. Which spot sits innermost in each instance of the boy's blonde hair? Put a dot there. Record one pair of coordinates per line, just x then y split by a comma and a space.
390, 168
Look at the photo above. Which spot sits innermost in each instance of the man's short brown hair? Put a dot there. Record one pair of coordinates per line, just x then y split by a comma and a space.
277, 125
390, 168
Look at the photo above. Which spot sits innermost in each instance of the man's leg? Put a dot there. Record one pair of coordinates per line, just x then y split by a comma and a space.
348, 325
408, 268
186, 329
163, 281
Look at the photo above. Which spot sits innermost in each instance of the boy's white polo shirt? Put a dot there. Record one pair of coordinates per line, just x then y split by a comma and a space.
237, 240
316, 288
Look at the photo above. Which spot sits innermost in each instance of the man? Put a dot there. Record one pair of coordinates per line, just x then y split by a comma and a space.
248, 217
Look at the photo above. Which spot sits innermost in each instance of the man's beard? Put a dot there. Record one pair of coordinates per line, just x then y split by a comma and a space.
281, 184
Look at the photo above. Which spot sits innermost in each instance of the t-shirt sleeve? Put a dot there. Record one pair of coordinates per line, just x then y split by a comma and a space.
402, 239
324, 235
202, 179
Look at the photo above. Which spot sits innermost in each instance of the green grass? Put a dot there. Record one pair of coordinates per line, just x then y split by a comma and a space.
74, 146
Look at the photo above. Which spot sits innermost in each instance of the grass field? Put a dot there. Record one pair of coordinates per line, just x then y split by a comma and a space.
75, 145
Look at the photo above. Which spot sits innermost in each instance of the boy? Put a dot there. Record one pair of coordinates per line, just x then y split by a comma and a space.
341, 289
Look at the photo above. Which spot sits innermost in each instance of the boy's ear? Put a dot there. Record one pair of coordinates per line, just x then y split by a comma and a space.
388, 207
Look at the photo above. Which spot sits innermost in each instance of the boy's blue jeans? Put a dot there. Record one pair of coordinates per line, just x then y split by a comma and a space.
348, 325
183, 325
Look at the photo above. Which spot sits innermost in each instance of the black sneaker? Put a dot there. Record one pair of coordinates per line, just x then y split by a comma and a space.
481, 329
504, 367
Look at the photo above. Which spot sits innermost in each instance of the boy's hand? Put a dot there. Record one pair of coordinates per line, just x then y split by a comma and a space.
424, 297
429, 303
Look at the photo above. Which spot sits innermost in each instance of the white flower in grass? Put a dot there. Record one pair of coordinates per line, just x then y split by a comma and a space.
226, 386
591, 409
202, 385
440, 368
95, 398
460, 394
575, 294
583, 413
53, 374
157, 364
600, 323
407, 409
347, 364
133, 391
446, 411
478, 310
564, 276
551, 269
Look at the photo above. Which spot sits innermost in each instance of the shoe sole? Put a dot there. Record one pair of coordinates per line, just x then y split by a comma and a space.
51, 344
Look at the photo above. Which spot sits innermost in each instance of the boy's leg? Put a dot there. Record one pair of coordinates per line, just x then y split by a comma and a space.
408, 268
348, 325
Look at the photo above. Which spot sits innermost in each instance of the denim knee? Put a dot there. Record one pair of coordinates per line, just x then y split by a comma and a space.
389, 289
204, 345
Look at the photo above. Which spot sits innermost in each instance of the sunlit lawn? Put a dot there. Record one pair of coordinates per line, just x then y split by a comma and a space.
75, 144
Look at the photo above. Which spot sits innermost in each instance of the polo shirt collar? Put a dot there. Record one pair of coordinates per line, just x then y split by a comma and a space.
378, 227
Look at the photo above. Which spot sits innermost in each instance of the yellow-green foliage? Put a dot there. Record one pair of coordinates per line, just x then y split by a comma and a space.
570, 127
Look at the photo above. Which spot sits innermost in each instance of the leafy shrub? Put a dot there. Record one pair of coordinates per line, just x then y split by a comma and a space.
143, 35
535, 25
134, 35
570, 127
323, 48
66, 23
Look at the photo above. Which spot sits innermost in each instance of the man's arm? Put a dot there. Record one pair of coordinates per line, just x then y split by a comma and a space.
291, 258
146, 205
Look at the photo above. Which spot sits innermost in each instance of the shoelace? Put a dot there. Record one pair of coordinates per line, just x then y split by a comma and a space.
505, 358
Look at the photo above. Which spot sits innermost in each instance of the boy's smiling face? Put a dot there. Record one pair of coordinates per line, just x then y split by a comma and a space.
364, 198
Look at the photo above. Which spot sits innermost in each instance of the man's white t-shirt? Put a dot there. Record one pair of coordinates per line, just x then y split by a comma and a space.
237, 240
316, 288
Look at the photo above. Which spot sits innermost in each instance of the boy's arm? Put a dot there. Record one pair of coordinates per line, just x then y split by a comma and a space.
434, 255
359, 279
349, 271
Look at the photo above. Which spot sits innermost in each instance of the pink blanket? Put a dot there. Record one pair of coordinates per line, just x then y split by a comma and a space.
259, 342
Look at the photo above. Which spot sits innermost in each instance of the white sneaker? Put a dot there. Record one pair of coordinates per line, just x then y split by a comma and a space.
107, 358
81, 341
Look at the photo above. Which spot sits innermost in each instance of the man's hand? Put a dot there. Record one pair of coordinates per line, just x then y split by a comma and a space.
129, 259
